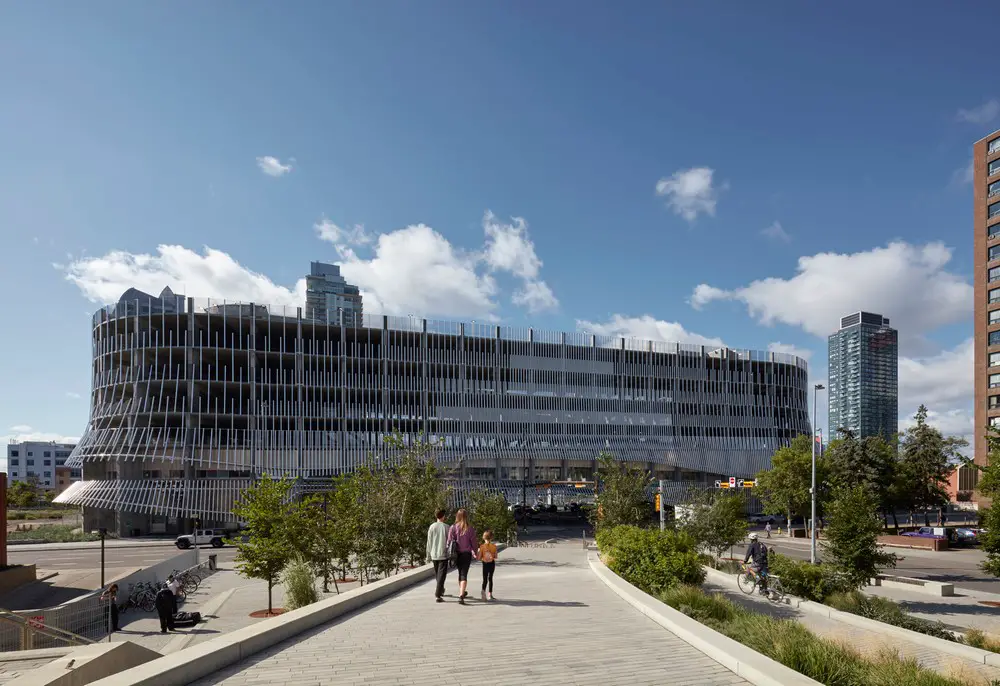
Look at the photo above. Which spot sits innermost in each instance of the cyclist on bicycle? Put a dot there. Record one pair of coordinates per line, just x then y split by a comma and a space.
758, 552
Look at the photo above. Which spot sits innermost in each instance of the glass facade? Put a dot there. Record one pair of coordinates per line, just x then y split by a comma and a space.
863, 377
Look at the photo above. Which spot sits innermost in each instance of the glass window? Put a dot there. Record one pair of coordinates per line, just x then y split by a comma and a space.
14, 462
13, 453
993, 189
994, 380
994, 167
994, 421
993, 402
994, 338
994, 295
48, 474
994, 146
994, 274
47, 453
47, 463
994, 253
994, 359
31, 463
995, 317
993, 210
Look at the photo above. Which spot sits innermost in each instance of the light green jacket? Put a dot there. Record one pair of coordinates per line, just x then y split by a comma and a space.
437, 541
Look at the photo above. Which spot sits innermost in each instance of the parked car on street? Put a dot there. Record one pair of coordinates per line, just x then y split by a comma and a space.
931, 532
967, 536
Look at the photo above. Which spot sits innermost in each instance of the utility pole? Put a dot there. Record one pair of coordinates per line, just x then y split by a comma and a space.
812, 533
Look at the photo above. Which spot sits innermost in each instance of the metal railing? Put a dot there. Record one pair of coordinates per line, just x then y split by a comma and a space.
28, 633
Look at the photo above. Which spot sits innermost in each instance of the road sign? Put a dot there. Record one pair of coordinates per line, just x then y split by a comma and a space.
748, 483
732, 482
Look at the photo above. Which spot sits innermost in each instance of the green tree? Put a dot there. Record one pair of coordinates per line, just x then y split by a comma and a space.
926, 459
621, 494
715, 519
869, 462
784, 488
309, 531
989, 518
418, 491
22, 494
266, 509
490, 511
851, 535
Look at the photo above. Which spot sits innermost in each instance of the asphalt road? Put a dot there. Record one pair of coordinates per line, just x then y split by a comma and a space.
80, 558
960, 567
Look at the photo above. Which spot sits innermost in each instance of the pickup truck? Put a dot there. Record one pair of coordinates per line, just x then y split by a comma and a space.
931, 532
213, 537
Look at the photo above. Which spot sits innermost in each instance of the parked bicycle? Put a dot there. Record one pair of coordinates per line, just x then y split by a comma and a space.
770, 586
141, 596
189, 580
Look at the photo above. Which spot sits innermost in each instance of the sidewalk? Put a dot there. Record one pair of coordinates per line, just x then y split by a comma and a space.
964, 610
554, 622
865, 641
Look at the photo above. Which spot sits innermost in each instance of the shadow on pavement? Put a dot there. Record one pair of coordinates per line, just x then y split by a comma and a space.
531, 603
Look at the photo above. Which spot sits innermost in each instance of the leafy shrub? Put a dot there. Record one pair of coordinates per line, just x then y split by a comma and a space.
794, 646
978, 639
723, 564
54, 533
806, 580
888, 612
650, 559
300, 585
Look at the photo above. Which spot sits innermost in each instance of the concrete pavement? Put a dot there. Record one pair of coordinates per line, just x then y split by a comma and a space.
554, 622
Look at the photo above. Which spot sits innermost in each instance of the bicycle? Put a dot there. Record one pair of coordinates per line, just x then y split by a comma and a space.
770, 586
189, 580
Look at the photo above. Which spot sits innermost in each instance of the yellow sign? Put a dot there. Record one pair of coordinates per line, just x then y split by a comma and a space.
657, 502
748, 483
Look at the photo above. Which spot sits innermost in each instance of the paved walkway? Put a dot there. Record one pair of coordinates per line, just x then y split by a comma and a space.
554, 622
865, 641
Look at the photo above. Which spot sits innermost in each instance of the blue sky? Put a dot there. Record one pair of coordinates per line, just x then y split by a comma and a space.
701, 171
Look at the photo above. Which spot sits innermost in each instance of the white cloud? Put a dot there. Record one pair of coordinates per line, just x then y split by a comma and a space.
963, 175
941, 380
689, 192
272, 166
21, 429
213, 274
776, 232
416, 270
779, 347
413, 270
72, 395
647, 328
944, 382
536, 296
907, 283
327, 231
982, 114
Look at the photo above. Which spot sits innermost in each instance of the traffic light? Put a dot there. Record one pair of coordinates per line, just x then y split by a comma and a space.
657, 502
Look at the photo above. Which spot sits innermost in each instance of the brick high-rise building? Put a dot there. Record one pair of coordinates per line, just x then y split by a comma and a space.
986, 222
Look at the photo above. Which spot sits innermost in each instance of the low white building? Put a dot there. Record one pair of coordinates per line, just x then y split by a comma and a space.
39, 461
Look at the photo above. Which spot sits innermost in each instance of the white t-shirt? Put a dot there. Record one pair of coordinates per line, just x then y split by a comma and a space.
174, 586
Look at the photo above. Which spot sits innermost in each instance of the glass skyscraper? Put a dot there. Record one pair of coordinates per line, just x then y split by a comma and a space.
329, 298
863, 381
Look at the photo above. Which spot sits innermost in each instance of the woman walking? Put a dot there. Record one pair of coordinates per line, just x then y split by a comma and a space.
466, 543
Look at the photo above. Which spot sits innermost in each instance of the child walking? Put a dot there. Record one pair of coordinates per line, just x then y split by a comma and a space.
488, 556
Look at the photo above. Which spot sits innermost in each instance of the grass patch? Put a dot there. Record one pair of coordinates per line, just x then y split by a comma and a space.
52, 533
888, 612
794, 646
978, 639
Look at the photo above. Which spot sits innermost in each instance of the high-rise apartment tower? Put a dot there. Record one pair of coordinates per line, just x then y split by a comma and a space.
863, 381
329, 298
986, 222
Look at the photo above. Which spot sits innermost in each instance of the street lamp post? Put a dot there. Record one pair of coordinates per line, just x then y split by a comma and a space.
812, 534
103, 533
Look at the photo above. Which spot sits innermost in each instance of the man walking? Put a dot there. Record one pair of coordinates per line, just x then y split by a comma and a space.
767, 528
437, 552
